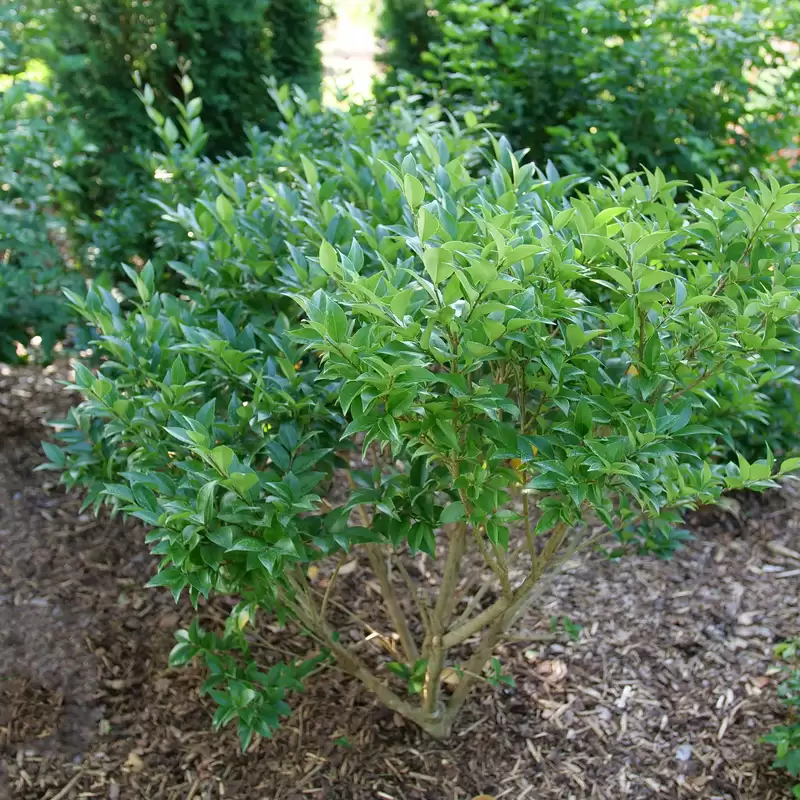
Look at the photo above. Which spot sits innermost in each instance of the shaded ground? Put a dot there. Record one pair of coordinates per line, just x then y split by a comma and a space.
665, 694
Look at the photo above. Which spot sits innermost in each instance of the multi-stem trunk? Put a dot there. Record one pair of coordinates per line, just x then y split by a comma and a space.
435, 714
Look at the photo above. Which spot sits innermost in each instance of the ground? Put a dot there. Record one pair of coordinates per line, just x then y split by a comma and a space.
665, 693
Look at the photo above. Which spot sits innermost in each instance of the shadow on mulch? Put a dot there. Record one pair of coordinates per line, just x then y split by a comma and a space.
665, 693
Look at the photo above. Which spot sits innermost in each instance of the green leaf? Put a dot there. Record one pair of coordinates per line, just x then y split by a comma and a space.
653, 278
205, 502
328, 258
56, 455
335, 321
222, 457
583, 419
427, 225
224, 208
789, 465
620, 277
414, 191
452, 513
312, 176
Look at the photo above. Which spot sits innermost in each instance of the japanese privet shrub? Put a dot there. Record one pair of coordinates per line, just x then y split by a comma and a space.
404, 349
615, 84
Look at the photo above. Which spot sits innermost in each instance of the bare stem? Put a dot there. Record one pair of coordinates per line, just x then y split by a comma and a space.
350, 662
332, 580
440, 618
391, 603
474, 600
469, 628
489, 559
528, 531
390, 600
419, 599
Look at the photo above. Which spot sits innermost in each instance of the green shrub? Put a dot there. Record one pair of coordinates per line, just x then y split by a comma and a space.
294, 27
229, 48
403, 345
407, 29
617, 84
131, 228
786, 738
38, 149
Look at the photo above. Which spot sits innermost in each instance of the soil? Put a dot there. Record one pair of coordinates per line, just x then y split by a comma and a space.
664, 694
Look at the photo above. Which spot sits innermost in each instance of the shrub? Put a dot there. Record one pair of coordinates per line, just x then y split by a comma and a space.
786, 738
407, 28
131, 228
295, 31
227, 46
38, 148
611, 83
450, 354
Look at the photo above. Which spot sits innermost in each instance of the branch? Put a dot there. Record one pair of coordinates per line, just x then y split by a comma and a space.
472, 671
332, 580
351, 663
475, 599
493, 565
392, 604
441, 616
390, 600
501, 606
694, 384
419, 599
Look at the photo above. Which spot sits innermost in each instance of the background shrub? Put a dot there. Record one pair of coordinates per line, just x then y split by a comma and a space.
786, 738
229, 46
617, 83
35, 261
39, 148
102, 42
295, 35
407, 28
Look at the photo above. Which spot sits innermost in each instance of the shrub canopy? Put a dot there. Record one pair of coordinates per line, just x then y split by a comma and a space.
487, 357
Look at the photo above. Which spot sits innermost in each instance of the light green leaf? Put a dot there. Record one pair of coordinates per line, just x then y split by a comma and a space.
414, 191
328, 258
224, 208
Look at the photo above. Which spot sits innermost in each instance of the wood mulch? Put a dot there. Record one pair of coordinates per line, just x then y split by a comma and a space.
664, 694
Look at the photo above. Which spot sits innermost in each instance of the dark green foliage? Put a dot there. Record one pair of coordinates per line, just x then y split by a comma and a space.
38, 149
131, 228
34, 157
407, 29
621, 83
786, 738
102, 42
228, 46
294, 28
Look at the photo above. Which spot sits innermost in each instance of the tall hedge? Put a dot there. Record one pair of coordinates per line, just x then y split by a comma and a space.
407, 27
294, 25
228, 46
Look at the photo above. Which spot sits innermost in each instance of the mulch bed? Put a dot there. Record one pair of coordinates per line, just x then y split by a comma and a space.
665, 693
